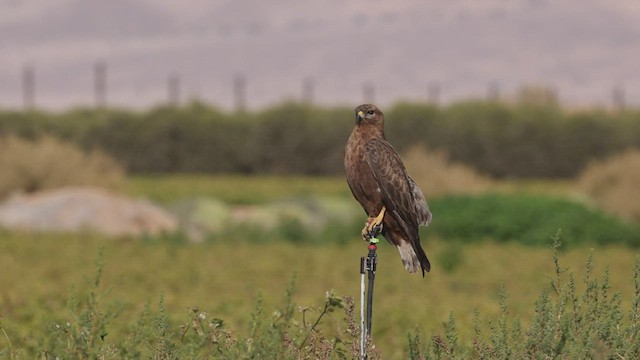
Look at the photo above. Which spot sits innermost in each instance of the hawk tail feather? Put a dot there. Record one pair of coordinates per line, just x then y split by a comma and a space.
413, 260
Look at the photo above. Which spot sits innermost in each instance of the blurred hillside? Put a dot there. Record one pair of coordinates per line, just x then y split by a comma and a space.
460, 49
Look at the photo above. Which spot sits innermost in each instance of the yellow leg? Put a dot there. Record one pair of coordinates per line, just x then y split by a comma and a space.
378, 219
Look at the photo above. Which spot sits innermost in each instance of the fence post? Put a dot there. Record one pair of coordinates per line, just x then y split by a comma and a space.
308, 87
368, 93
100, 83
493, 91
433, 93
173, 90
28, 87
240, 92
618, 98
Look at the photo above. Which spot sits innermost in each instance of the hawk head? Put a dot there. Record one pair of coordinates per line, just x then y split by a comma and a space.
368, 114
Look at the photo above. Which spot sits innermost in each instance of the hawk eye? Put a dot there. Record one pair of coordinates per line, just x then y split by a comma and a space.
370, 112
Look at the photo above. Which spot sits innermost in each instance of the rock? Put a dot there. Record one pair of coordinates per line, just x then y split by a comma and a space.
312, 213
202, 216
85, 208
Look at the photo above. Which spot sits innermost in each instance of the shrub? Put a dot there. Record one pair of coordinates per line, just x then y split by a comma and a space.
296, 138
442, 176
530, 138
568, 324
485, 129
46, 162
409, 124
526, 219
613, 182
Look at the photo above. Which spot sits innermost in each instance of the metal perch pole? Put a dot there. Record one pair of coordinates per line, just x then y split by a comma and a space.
368, 264
372, 261
363, 335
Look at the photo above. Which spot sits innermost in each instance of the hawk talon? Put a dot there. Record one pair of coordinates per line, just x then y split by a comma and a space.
375, 230
366, 229
373, 226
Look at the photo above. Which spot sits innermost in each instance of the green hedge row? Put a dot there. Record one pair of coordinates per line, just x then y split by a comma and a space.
503, 140
527, 219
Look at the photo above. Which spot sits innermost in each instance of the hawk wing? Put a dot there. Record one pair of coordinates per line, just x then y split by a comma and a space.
400, 194
422, 209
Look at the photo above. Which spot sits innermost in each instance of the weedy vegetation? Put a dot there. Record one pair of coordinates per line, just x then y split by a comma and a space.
170, 300
567, 323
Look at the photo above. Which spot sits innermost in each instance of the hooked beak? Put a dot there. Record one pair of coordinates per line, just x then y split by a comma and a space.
359, 116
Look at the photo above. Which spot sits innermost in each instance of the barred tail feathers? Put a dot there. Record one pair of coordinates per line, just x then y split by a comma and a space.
413, 260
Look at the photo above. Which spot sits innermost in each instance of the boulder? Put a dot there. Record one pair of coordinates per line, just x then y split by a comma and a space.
85, 209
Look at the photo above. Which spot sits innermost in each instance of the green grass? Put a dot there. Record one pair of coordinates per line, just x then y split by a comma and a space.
39, 272
233, 189
238, 189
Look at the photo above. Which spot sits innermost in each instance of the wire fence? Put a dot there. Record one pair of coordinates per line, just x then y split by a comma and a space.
433, 94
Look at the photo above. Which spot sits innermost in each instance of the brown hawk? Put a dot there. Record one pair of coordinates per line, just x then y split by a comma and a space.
379, 181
